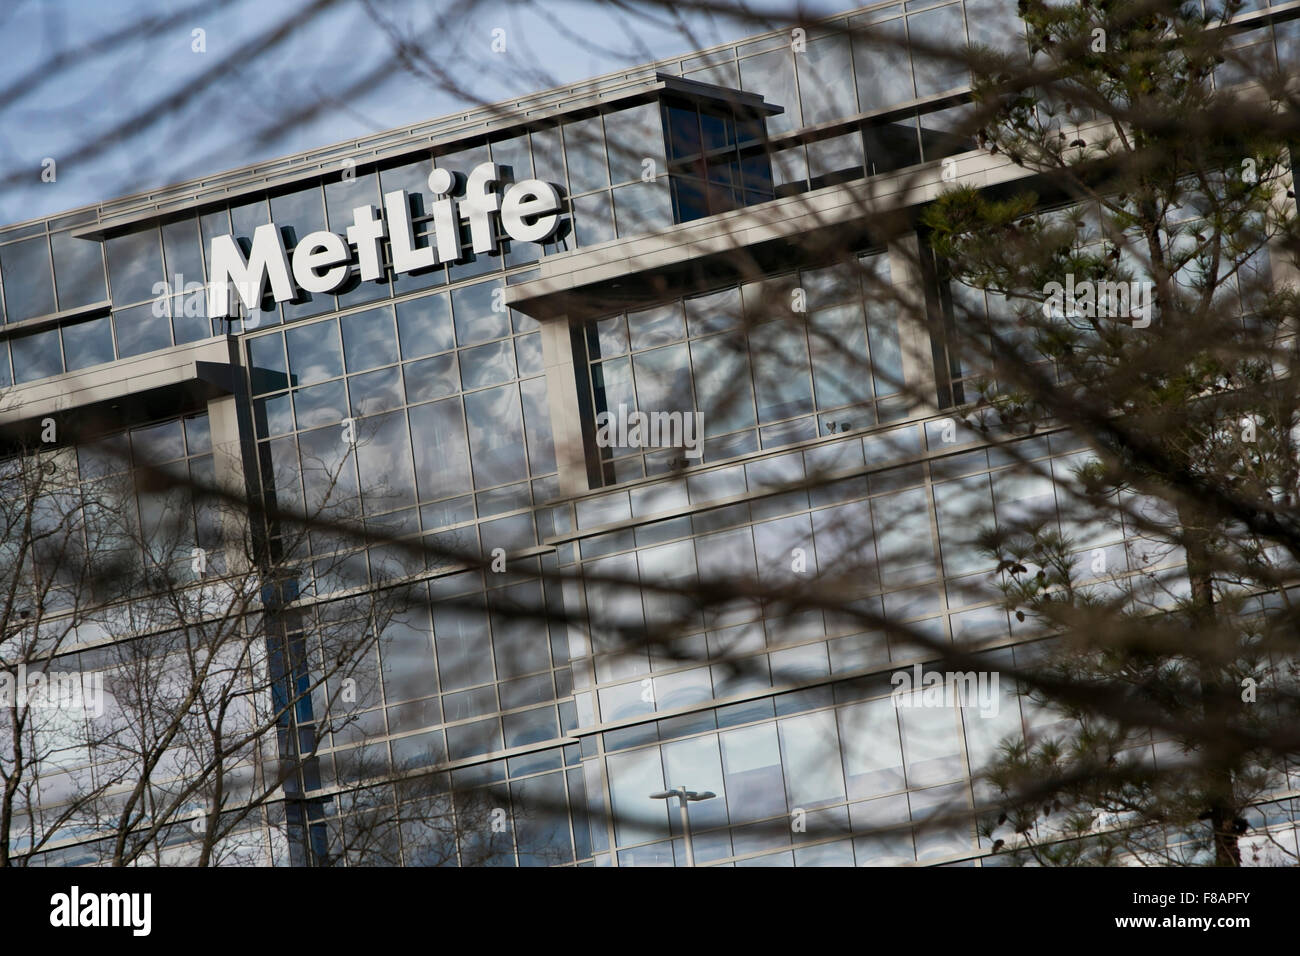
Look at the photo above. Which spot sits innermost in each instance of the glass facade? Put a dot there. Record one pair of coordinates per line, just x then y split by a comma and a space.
434, 407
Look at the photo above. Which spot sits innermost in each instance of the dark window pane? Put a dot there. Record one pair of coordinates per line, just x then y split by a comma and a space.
267, 366
190, 317
37, 356
683, 131
78, 271
181, 254
29, 290
424, 326
134, 265
369, 339
141, 329
164, 441
314, 353
88, 343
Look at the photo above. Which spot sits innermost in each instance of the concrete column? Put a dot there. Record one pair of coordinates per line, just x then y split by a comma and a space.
228, 475
563, 393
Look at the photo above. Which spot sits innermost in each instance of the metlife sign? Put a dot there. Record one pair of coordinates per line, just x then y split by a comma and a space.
529, 211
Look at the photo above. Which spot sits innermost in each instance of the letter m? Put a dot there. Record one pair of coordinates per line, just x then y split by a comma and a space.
267, 262
965, 687
116, 909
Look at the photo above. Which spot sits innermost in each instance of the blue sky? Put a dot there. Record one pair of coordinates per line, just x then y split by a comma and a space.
247, 113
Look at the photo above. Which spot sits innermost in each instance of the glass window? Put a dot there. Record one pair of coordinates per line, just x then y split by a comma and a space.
487, 364
164, 441
755, 785
414, 178
432, 378
461, 635
592, 220
632, 778
320, 404
190, 321
375, 392
384, 457
873, 756
643, 207
369, 339
930, 744
314, 353
697, 765
441, 452
772, 75
962, 507
480, 737
424, 326
142, 328
722, 383
266, 360
79, 271
480, 313
841, 372
29, 288
548, 155
835, 160
134, 265
882, 63
36, 355
584, 145
663, 380
824, 68
782, 384
995, 24
344, 195
683, 128
88, 343
513, 157
273, 416
528, 352
198, 434
496, 436
635, 135
944, 28
903, 542
329, 473
657, 326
